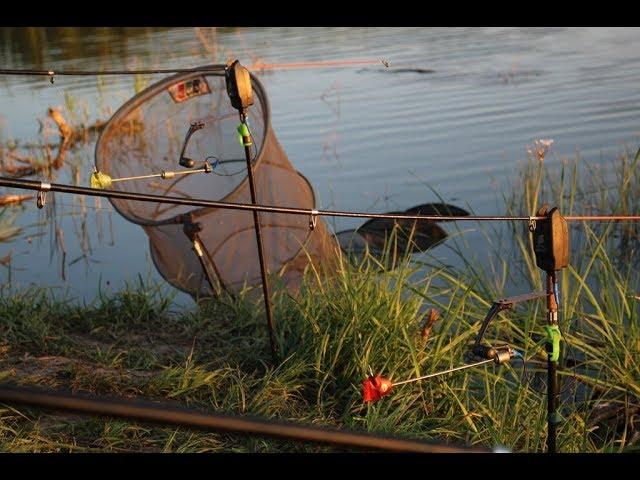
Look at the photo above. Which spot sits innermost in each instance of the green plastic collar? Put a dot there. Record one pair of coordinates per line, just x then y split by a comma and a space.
243, 131
553, 339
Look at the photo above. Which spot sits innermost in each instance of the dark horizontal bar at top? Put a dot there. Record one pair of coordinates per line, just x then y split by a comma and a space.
157, 413
143, 197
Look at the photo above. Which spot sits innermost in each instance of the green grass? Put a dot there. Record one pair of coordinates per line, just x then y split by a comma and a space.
217, 357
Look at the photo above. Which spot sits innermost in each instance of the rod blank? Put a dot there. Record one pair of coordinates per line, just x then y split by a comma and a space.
215, 68
143, 197
55, 73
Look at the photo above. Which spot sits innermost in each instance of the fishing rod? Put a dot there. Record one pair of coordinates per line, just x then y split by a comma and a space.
147, 71
44, 187
52, 73
145, 411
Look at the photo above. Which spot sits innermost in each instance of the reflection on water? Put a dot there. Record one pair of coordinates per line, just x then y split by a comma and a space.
452, 110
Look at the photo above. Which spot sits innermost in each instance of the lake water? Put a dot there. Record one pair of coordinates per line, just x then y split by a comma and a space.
368, 138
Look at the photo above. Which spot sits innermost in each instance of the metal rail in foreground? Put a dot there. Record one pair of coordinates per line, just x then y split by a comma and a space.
44, 187
148, 412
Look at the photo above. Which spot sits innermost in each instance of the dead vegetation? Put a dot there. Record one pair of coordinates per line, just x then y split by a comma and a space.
44, 156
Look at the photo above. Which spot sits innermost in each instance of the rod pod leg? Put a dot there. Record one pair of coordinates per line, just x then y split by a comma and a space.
553, 355
551, 248
246, 140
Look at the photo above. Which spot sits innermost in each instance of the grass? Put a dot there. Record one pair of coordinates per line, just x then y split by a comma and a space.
217, 357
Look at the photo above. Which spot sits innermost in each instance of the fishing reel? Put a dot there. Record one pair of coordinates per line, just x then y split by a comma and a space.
239, 87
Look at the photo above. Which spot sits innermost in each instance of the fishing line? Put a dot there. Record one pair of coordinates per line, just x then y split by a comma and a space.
222, 162
64, 100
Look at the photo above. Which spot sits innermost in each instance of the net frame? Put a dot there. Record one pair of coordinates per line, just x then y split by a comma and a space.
154, 90
268, 145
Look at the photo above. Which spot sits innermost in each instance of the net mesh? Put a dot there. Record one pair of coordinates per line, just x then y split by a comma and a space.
147, 135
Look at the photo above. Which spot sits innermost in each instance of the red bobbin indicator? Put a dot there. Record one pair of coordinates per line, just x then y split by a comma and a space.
375, 387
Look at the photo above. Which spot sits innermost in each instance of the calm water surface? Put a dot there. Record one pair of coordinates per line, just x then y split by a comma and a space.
367, 138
